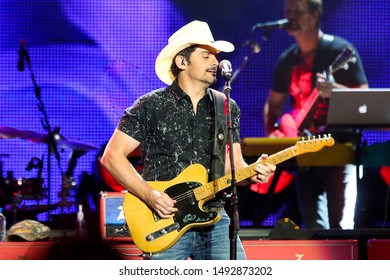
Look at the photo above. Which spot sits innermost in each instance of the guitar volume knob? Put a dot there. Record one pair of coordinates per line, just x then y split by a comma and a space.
149, 237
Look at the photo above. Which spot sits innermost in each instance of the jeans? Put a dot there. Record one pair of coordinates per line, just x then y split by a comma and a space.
327, 196
204, 243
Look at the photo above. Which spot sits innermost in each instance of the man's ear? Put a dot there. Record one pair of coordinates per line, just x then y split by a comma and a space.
180, 62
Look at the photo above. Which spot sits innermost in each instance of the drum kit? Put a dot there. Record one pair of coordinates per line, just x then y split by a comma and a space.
15, 190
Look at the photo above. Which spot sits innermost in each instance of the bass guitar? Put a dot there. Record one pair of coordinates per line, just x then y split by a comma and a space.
191, 190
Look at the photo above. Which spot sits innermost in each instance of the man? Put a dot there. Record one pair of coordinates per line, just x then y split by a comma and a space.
174, 127
326, 195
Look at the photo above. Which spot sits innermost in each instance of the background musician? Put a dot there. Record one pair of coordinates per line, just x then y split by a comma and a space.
326, 195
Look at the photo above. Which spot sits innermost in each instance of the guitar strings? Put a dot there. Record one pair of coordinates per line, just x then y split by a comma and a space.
183, 197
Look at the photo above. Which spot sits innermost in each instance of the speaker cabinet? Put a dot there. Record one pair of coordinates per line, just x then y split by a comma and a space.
24, 250
255, 250
301, 249
378, 249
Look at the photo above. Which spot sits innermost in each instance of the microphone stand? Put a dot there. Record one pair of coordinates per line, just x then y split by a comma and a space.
255, 49
234, 223
52, 145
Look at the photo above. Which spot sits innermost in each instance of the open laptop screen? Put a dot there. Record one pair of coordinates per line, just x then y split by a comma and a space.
359, 108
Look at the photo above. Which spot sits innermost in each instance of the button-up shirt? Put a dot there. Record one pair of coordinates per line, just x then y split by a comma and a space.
172, 136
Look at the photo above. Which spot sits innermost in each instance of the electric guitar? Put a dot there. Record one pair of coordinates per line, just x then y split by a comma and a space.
291, 125
191, 190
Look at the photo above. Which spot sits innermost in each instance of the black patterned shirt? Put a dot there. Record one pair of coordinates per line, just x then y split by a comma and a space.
172, 136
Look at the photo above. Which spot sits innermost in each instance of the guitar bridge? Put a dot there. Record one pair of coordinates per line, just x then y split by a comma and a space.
162, 232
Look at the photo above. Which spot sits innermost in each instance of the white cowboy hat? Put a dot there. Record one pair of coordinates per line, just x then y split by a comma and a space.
194, 33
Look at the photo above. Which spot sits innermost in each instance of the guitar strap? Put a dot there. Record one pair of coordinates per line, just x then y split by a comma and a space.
220, 136
325, 45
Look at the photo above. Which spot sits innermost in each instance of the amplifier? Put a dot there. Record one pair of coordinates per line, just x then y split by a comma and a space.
255, 250
378, 249
301, 249
112, 220
25, 250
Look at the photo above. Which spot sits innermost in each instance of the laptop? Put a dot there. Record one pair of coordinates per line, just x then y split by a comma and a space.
359, 108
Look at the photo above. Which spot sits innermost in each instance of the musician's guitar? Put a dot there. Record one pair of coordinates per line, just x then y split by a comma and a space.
292, 124
191, 190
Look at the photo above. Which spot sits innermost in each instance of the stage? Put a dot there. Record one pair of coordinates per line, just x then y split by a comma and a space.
361, 244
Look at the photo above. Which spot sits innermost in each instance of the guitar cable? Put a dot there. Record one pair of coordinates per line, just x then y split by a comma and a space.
124, 231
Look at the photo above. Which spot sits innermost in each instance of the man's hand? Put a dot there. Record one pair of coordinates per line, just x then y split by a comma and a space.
325, 84
263, 169
161, 203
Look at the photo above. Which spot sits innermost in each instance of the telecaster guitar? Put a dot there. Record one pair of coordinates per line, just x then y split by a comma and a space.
191, 190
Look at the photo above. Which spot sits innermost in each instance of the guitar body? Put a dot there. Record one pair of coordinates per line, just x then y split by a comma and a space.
288, 126
282, 182
153, 234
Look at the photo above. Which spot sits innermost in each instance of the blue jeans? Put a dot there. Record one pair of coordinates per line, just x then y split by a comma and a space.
327, 196
204, 243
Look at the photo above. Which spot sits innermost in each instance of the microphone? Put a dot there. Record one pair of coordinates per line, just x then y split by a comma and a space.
21, 54
272, 25
226, 69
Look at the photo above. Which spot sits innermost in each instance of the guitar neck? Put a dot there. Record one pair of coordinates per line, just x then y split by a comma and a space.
211, 188
301, 115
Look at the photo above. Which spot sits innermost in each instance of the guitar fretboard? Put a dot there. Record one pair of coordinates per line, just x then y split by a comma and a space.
224, 182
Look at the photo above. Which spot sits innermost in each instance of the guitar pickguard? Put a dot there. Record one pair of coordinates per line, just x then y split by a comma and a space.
189, 211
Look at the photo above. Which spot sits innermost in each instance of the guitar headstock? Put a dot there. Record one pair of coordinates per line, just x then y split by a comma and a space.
342, 60
313, 144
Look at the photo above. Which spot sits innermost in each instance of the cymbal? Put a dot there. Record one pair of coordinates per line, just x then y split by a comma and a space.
9, 132
63, 143
75, 145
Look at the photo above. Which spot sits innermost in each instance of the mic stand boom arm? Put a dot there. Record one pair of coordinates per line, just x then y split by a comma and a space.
255, 49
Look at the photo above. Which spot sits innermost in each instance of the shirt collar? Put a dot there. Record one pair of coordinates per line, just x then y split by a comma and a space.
179, 93
176, 90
